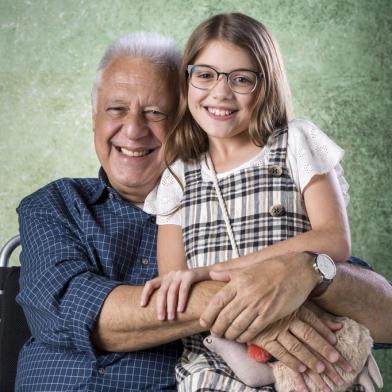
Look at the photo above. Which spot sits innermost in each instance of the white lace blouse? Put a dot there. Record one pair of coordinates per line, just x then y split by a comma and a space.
309, 152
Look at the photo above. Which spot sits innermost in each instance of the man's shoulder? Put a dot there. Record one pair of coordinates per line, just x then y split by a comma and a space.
60, 192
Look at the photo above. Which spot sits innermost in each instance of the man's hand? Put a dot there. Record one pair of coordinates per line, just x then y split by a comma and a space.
302, 338
258, 295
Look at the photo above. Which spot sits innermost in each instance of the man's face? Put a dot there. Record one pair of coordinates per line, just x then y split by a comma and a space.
133, 95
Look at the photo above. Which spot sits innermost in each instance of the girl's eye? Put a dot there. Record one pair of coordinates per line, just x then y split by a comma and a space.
204, 75
243, 80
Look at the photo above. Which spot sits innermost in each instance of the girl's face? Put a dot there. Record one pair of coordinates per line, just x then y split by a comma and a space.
220, 112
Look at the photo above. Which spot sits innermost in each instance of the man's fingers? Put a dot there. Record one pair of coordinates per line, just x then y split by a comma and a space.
331, 372
299, 382
240, 324
225, 318
148, 289
319, 325
334, 326
314, 340
297, 349
220, 276
279, 352
218, 302
321, 384
257, 325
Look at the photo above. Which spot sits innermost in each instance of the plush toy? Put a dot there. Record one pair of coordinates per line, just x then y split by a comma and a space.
353, 342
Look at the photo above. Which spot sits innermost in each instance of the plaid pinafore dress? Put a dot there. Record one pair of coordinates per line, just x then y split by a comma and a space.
264, 207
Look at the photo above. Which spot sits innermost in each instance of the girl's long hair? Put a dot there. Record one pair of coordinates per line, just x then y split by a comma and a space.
271, 108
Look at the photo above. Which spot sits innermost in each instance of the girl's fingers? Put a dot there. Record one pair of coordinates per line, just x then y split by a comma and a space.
148, 289
183, 295
162, 300
172, 298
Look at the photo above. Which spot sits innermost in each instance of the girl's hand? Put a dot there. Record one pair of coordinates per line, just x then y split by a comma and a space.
173, 291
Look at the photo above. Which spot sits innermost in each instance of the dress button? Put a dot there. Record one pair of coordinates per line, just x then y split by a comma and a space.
101, 371
277, 210
275, 171
145, 261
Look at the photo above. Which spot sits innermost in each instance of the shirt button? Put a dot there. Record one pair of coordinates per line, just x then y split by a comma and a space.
152, 219
101, 371
277, 210
145, 261
275, 171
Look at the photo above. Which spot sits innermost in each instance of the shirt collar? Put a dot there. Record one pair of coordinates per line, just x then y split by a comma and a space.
103, 188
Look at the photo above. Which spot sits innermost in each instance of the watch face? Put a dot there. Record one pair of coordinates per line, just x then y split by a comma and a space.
326, 266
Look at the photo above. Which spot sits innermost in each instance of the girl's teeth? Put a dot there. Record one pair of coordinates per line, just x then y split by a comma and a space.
220, 112
130, 153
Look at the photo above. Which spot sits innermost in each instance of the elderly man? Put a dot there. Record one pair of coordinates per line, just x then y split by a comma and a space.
88, 247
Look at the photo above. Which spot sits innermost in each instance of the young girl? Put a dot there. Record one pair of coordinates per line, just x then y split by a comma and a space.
243, 178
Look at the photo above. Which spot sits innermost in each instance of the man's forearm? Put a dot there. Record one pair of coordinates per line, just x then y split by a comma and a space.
362, 295
123, 325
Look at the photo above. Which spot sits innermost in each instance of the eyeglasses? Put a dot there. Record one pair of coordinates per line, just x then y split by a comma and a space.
241, 81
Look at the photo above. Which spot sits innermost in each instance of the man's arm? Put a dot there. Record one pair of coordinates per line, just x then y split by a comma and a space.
123, 325
363, 295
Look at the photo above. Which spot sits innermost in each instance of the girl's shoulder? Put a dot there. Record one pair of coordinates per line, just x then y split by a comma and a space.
305, 135
311, 152
304, 129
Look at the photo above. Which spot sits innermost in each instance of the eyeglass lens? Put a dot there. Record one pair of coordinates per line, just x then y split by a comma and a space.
241, 81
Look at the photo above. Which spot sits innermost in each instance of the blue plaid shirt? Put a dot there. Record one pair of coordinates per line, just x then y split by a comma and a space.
80, 239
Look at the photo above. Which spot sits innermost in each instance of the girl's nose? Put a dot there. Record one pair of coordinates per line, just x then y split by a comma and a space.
222, 88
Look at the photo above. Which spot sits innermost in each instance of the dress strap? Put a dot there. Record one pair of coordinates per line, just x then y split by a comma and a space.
223, 207
277, 144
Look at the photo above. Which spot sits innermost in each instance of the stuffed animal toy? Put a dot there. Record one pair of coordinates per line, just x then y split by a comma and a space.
353, 342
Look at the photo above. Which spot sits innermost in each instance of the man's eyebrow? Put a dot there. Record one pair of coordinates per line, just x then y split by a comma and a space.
116, 101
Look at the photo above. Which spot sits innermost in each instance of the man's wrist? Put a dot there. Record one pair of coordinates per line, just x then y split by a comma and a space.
325, 269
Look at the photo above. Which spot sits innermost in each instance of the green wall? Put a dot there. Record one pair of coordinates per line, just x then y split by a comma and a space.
337, 55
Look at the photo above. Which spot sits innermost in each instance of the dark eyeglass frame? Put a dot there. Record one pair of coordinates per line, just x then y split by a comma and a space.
190, 68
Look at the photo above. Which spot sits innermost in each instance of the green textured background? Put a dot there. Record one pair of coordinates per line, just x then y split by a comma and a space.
338, 59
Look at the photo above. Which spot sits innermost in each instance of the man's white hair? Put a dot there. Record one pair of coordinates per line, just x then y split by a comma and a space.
151, 46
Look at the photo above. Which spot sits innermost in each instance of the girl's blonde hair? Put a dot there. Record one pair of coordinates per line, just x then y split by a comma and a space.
271, 109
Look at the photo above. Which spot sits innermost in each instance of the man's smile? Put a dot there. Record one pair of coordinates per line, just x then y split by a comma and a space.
134, 153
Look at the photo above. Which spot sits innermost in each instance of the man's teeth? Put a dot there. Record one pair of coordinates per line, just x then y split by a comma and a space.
220, 112
130, 153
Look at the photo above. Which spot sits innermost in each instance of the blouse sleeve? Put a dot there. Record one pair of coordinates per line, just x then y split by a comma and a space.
164, 201
311, 152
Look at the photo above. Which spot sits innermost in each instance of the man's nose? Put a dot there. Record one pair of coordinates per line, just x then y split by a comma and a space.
135, 126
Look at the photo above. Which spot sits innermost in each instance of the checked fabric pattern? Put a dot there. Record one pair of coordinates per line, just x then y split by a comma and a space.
80, 240
264, 207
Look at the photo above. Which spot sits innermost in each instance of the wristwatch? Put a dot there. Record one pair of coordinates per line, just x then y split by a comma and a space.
326, 268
